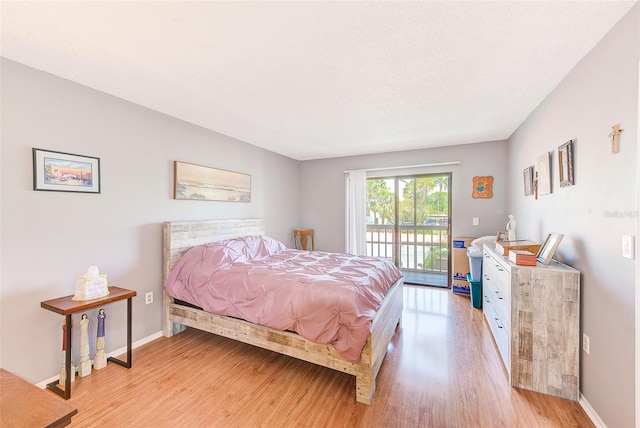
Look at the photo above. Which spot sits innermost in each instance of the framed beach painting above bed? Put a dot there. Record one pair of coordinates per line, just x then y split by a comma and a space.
203, 183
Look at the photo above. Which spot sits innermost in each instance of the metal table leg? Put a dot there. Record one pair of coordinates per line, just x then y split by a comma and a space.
53, 386
127, 363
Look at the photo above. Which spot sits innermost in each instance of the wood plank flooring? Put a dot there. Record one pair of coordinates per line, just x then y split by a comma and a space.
441, 370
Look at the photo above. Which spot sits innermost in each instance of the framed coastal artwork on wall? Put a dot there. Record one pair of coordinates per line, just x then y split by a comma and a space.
482, 187
65, 172
528, 180
543, 171
198, 182
565, 164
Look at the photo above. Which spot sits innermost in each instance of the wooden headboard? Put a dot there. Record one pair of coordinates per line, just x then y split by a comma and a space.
179, 236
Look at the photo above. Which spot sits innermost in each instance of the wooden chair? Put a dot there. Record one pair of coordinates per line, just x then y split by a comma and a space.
301, 239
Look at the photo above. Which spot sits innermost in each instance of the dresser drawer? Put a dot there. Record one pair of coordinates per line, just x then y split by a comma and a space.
497, 277
500, 335
487, 301
497, 302
493, 270
502, 309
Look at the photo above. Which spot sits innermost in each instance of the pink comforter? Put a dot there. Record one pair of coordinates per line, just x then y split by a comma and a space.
328, 298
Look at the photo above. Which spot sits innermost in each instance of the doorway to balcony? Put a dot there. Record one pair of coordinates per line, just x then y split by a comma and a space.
408, 221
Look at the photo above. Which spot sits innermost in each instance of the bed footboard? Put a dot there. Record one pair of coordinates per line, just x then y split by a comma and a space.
388, 317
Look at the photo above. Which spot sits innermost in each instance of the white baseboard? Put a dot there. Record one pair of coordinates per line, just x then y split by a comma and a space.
593, 415
113, 353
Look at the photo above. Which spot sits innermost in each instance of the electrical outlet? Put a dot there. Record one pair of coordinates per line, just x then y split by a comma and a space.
585, 343
476, 221
148, 298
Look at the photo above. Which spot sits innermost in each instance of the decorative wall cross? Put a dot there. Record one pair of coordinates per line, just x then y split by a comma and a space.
614, 138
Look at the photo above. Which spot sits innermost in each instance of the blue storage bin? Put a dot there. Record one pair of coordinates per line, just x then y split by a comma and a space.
476, 292
475, 263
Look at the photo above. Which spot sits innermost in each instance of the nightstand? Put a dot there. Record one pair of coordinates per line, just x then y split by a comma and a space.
67, 307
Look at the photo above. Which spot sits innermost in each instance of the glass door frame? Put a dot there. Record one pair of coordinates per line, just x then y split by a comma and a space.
433, 223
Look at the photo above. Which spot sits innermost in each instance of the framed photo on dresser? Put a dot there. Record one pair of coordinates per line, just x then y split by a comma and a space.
548, 249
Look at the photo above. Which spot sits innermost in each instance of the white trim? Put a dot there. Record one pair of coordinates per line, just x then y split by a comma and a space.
593, 415
114, 353
403, 167
637, 265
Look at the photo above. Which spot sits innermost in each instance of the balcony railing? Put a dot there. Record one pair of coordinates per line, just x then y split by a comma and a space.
419, 248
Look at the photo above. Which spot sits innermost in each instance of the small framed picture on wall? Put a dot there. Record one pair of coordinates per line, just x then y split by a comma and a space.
565, 164
528, 180
65, 172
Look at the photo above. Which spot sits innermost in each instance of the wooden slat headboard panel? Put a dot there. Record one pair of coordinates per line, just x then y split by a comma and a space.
179, 236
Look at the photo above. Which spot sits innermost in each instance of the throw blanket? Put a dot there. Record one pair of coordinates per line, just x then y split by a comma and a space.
328, 298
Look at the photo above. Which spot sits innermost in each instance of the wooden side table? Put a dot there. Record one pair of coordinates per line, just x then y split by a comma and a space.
65, 306
23, 404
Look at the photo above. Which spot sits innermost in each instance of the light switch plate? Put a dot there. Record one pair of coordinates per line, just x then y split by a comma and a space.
476, 221
628, 246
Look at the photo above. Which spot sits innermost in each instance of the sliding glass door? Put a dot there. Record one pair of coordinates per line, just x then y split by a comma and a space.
408, 222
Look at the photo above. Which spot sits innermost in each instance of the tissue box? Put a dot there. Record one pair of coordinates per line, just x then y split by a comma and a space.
88, 288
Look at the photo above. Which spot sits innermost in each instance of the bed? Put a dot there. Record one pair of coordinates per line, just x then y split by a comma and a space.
179, 237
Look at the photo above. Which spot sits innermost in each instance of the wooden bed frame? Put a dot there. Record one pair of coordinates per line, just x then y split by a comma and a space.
180, 236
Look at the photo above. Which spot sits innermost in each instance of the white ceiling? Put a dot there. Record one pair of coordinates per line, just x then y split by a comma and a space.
314, 80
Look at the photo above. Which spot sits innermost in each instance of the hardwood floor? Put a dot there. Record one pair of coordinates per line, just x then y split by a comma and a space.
441, 370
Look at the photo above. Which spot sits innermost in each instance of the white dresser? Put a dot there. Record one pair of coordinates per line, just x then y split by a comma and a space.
534, 316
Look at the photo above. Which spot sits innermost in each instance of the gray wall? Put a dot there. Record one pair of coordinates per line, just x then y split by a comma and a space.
323, 185
594, 213
48, 238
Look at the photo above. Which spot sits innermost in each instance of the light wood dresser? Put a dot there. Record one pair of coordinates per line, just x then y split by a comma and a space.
533, 313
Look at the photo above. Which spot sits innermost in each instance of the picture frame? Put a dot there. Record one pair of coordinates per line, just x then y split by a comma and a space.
482, 187
65, 172
204, 183
548, 249
565, 164
501, 236
543, 170
528, 180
